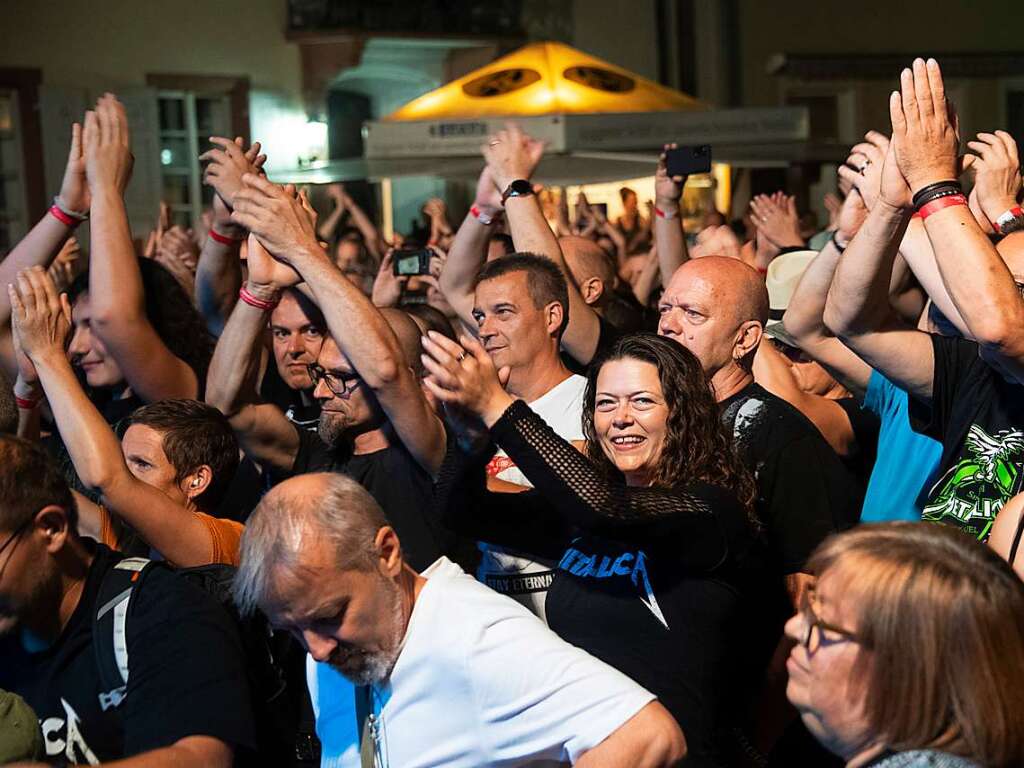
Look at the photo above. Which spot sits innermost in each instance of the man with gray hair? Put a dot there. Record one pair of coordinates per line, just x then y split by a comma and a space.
430, 669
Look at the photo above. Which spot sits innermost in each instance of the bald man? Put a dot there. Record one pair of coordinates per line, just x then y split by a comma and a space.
375, 423
590, 268
717, 308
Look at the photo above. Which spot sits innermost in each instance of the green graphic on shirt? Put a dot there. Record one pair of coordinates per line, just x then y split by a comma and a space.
973, 491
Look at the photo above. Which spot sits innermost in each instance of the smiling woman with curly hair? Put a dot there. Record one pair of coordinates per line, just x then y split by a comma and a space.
652, 530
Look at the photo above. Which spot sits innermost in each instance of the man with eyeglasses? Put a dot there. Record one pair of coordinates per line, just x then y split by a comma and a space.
186, 701
376, 424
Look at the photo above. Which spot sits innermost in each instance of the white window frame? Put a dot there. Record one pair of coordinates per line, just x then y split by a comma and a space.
192, 139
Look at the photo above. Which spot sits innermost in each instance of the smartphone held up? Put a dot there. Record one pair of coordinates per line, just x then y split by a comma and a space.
686, 161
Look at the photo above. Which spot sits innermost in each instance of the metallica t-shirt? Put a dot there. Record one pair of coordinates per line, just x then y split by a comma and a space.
978, 417
186, 674
653, 581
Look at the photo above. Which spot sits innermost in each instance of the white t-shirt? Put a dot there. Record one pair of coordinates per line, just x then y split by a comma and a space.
504, 571
480, 681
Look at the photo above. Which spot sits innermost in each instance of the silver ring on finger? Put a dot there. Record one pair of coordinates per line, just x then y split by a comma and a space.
460, 358
495, 142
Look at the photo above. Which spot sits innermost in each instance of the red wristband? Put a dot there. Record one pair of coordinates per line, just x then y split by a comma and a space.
665, 214
934, 206
1006, 218
63, 218
254, 301
25, 404
224, 239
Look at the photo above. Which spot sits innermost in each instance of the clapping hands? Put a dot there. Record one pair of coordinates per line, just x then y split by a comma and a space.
282, 221
924, 127
228, 162
74, 189
40, 315
464, 377
775, 217
107, 147
997, 180
511, 154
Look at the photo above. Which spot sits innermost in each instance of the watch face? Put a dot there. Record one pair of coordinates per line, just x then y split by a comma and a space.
518, 188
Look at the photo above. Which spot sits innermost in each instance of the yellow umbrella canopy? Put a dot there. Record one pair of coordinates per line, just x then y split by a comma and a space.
544, 79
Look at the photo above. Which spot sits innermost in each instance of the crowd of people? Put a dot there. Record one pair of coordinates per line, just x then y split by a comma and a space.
578, 491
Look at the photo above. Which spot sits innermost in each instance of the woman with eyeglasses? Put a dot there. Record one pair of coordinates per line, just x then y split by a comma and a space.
652, 527
910, 650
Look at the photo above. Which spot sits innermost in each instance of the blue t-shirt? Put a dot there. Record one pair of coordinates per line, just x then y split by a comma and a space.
906, 463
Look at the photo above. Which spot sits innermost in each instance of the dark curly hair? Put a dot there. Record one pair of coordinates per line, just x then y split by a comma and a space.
697, 445
172, 314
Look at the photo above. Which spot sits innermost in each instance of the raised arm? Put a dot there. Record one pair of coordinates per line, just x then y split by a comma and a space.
857, 309
469, 249
42, 244
576, 490
977, 279
219, 271
115, 281
327, 228
562, 225
775, 217
997, 179
512, 155
649, 278
440, 230
42, 320
262, 429
614, 234
804, 318
774, 372
357, 327
668, 219
371, 235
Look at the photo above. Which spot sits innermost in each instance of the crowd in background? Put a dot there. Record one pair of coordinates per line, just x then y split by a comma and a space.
529, 488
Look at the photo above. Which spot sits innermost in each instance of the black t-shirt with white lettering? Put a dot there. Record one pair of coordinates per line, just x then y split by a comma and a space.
398, 483
804, 491
186, 674
656, 582
978, 416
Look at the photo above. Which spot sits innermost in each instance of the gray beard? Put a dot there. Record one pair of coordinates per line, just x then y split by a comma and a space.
371, 668
330, 428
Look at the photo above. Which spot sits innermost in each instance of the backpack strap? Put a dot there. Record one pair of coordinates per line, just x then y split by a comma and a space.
110, 628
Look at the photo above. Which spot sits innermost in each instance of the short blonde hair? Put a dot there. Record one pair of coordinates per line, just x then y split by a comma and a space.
940, 619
